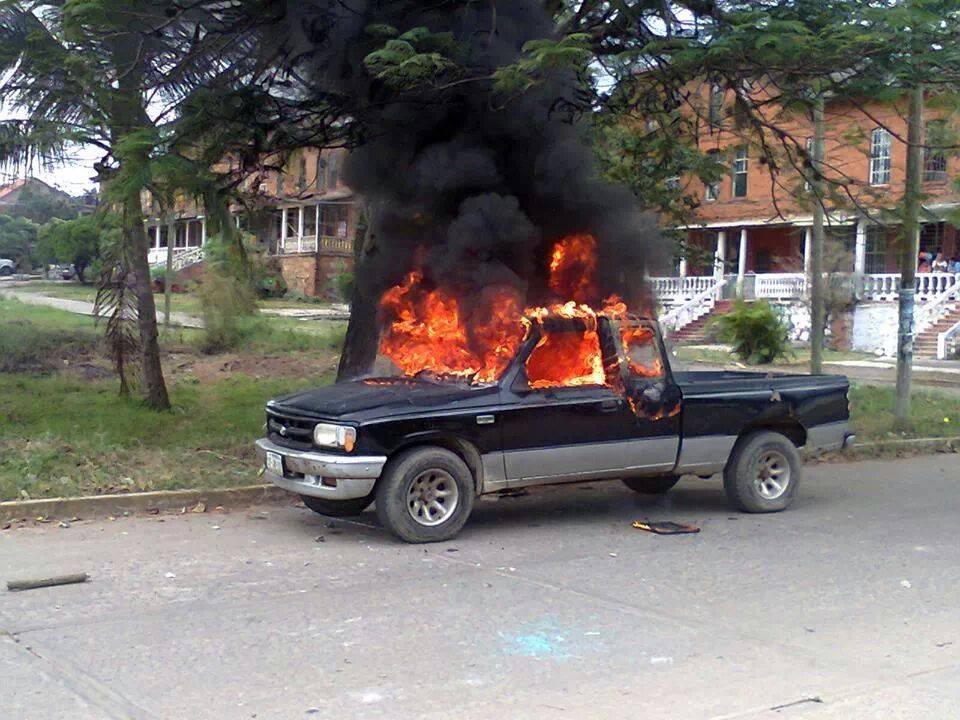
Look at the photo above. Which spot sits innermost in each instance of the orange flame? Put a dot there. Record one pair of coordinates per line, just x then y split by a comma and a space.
426, 329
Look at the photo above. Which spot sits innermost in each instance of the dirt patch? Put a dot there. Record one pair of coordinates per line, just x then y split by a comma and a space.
205, 368
24, 349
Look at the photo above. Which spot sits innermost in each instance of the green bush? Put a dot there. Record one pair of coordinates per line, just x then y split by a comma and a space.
756, 331
344, 283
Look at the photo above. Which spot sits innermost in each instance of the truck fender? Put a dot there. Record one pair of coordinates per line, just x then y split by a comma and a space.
464, 449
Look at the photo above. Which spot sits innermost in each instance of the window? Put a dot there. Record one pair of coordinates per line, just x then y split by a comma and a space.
876, 249
281, 181
808, 165
321, 172
310, 221
302, 183
195, 233
293, 222
879, 157
715, 106
712, 191
164, 232
333, 172
333, 221
564, 358
931, 238
641, 350
740, 173
935, 158
181, 238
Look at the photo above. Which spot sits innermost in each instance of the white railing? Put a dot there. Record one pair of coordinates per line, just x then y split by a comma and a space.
294, 244
680, 288
694, 308
780, 286
947, 342
182, 257
886, 286
931, 311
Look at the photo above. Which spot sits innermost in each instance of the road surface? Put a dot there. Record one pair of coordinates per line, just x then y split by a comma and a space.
548, 606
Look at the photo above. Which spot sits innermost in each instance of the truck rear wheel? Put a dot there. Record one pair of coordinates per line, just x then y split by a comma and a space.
337, 508
652, 485
763, 473
425, 495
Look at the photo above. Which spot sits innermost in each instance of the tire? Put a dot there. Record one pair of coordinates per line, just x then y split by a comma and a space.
763, 473
6, 271
652, 485
408, 503
337, 508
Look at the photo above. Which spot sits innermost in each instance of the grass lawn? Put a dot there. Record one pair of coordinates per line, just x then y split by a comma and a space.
64, 431
187, 303
798, 358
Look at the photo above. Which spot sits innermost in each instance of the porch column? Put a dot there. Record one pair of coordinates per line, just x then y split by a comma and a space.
683, 267
720, 257
283, 231
742, 260
807, 248
203, 231
300, 229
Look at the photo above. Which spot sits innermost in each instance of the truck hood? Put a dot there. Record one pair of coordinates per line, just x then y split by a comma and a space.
384, 397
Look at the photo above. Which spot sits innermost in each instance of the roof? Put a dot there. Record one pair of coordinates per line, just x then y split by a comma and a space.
21, 183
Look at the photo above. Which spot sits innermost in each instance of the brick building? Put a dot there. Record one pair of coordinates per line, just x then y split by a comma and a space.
751, 231
304, 218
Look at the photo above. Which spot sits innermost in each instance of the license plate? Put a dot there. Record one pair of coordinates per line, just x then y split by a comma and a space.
275, 463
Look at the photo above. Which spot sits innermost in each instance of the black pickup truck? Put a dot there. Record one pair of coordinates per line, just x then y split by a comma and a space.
424, 448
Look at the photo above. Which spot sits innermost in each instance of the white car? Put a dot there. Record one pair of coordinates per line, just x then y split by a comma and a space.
7, 267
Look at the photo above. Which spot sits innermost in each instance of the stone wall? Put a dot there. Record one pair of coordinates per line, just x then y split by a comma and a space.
875, 328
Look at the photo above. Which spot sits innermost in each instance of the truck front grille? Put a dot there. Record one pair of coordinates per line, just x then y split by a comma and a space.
290, 430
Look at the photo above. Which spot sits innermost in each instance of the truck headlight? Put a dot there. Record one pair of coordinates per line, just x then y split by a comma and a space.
336, 436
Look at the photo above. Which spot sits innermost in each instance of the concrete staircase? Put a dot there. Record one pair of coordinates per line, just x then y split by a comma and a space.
695, 332
926, 343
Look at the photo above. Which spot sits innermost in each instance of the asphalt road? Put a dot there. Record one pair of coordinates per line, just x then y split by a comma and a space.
547, 606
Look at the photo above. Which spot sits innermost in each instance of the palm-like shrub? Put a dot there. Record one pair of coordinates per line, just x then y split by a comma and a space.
756, 331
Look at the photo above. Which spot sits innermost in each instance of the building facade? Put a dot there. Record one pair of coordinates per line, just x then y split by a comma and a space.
750, 234
303, 218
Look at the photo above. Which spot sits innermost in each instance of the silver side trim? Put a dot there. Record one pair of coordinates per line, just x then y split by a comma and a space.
829, 436
494, 474
705, 454
590, 460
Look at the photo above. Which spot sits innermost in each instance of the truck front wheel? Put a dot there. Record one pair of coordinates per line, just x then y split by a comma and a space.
763, 473
425, 495
652, 485
337, 508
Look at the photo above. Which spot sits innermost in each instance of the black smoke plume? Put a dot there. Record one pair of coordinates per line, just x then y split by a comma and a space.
472, 187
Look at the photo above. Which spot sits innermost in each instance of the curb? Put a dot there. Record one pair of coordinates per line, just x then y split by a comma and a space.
103, 505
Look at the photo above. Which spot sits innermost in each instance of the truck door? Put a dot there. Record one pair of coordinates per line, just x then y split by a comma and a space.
563, 425
654, 398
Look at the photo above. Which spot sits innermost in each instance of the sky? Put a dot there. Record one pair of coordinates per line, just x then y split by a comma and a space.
73, 176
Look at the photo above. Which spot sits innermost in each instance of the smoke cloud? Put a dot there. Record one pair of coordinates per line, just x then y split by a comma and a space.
472, 188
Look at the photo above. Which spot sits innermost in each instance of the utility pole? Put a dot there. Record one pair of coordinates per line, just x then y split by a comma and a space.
910, 248
168, 275
816, 239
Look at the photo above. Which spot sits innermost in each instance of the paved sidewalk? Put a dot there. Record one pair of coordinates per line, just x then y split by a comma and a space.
548, 606
82, 307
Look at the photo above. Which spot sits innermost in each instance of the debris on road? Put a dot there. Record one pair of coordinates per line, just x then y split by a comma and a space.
666, 527
14, 585
905, 584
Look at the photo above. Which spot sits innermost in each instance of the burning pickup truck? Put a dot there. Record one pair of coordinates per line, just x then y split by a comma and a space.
579, 396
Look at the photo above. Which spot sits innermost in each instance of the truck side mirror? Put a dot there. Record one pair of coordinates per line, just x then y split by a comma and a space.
652, 394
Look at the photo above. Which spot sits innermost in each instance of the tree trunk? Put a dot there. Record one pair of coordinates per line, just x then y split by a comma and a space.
136, 238
908, 257
817, 321
363, 331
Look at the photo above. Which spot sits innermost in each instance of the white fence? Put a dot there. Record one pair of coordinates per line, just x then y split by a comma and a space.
881, 287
